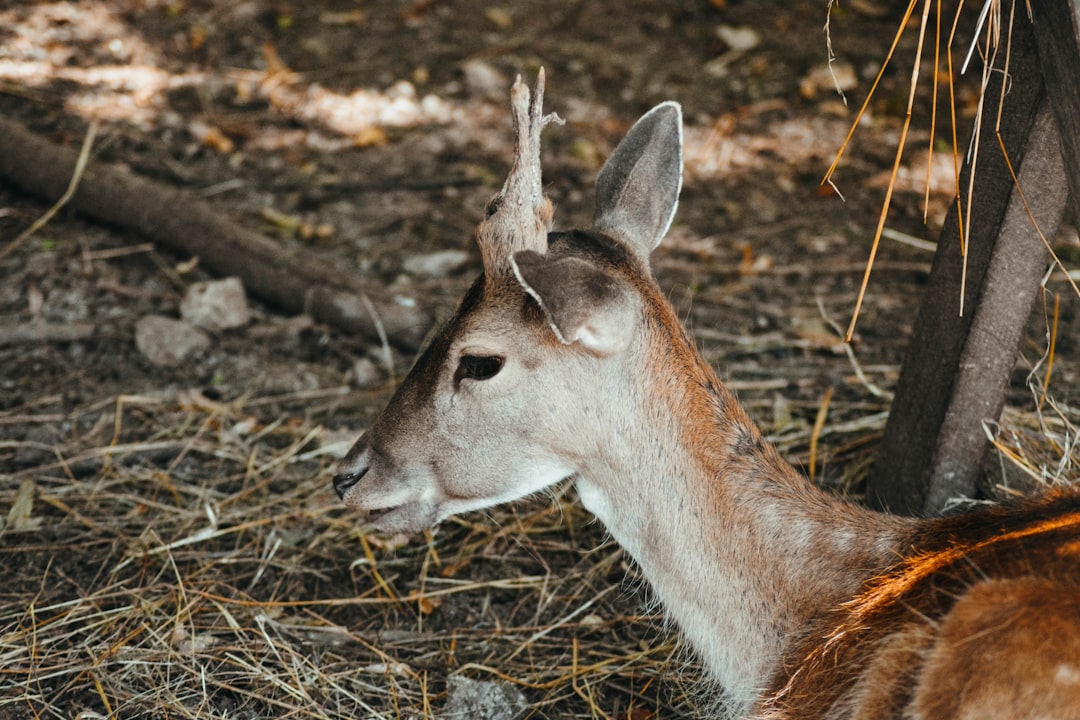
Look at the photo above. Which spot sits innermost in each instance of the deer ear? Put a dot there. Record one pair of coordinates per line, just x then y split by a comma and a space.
638, 188
583, 303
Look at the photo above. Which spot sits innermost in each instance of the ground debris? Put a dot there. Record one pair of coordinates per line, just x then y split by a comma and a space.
216, 304
436, 264
21, 516
166, 342
482, 700
39, 331
192, 559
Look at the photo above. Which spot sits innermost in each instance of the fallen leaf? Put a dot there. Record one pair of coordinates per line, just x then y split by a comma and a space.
21, 516
499, 17
371, 136
816, 335
424, 603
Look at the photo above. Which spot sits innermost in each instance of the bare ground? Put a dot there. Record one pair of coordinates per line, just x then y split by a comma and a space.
171, 544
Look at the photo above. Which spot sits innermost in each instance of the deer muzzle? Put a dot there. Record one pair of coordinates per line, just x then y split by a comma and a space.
344, 481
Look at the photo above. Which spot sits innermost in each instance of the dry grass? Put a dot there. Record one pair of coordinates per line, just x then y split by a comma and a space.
175, 557
182, 558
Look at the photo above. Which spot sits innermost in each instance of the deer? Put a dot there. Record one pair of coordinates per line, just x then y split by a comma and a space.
565, 361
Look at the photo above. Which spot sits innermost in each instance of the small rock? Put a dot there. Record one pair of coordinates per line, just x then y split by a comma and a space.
484, 81
482, 700
216, 305
166, 342
739, 39
365, 373
436, 264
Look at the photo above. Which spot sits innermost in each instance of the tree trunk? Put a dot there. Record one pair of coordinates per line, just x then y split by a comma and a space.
958, 367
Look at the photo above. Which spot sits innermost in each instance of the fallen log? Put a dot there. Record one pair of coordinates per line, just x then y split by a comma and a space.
283, 277
40, 331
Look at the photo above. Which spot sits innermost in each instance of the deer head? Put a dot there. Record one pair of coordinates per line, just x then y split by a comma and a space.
525, 385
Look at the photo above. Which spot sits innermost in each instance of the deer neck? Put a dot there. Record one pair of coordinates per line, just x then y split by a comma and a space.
740, 548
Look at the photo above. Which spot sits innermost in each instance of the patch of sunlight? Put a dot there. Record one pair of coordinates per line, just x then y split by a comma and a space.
728, 145
352, 114
119, 76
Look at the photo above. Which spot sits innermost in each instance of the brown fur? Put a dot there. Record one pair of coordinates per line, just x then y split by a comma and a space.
975, 618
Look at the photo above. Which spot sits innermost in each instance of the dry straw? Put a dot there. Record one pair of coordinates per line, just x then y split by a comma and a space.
187, 559
181, 558
175, 557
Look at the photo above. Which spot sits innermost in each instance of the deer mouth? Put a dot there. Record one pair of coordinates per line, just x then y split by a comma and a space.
376, 516
408, 518
387, 504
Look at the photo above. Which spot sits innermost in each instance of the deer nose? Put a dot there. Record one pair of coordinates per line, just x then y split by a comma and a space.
344, 481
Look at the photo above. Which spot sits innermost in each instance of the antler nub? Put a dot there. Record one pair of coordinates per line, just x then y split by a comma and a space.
519, 217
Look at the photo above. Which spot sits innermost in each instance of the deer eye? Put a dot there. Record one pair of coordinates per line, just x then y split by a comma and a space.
477, 367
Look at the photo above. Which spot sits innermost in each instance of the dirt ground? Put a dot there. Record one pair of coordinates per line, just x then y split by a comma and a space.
172, 546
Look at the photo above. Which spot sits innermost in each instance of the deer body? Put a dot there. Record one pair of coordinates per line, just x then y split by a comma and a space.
565, 360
